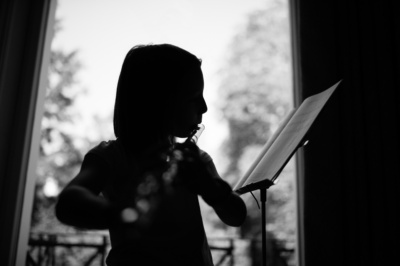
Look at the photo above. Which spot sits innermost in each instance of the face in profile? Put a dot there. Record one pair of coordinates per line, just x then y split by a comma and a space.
190, 105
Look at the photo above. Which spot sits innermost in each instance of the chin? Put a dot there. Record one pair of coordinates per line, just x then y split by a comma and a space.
185, 133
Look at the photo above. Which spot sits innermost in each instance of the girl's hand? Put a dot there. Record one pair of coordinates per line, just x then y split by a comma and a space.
191, 170
199, 176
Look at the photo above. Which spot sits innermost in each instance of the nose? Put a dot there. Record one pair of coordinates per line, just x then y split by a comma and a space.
203, 106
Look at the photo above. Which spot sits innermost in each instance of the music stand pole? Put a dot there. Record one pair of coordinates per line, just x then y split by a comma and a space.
263, 199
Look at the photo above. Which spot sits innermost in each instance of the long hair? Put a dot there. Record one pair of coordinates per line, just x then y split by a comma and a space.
147, 92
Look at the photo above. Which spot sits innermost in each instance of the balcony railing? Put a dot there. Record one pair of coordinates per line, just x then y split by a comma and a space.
91, 250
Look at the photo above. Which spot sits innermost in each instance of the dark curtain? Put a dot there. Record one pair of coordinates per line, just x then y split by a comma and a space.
22, 28
351, 179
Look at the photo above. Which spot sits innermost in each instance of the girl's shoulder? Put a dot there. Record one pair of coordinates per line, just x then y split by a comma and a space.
110, 151
112, 154
205, 157
103, 147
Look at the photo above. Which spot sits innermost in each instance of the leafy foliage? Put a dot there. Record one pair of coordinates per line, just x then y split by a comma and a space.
59, 156
255, 93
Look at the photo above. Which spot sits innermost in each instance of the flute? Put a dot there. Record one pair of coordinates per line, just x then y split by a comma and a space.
195, 134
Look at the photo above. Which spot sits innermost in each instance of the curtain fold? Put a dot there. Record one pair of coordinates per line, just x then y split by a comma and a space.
22, 34
351, 165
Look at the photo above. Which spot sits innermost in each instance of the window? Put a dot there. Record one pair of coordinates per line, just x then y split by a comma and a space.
247, 76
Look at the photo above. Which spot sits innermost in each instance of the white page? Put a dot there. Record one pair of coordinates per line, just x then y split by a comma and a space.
290, 137
266, 147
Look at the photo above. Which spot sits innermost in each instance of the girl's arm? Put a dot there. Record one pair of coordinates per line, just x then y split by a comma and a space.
200, 176
232, 211
228, 205
79, 204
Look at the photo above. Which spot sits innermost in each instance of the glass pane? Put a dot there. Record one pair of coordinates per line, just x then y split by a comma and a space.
246, 62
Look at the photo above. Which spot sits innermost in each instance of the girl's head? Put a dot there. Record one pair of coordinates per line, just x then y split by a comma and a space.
159, 95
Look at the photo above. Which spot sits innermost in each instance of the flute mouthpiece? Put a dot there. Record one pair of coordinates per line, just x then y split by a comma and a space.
196, 133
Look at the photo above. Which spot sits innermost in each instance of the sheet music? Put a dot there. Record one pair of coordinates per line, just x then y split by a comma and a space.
266, 147
289, 139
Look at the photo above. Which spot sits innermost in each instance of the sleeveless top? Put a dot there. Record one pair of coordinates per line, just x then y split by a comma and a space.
176, 235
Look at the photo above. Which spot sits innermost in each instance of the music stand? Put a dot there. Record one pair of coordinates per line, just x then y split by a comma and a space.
289, 137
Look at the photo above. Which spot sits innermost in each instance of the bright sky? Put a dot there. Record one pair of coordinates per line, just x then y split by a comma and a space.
104, 30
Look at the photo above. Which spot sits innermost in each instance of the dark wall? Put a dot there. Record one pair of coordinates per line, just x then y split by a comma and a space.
351, 164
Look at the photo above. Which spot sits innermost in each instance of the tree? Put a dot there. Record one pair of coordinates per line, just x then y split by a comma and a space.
255, 93
59, 155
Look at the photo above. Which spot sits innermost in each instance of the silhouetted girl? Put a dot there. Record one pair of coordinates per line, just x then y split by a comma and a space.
144, 186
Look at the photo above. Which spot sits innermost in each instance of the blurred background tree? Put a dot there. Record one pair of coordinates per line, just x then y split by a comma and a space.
255, 94
60, 153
